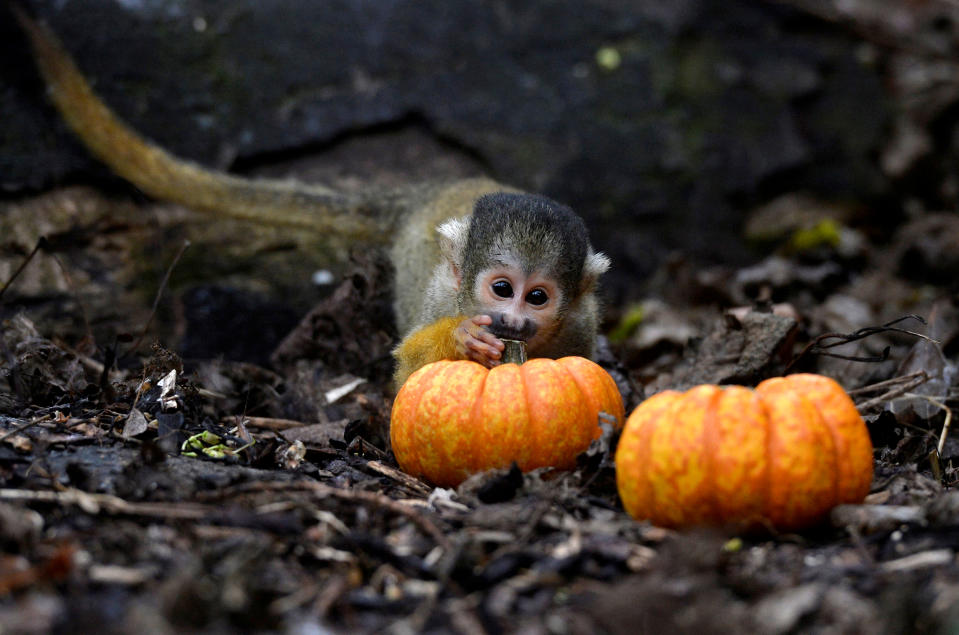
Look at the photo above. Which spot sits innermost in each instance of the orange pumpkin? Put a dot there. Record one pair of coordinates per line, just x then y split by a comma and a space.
455, 418
782, 455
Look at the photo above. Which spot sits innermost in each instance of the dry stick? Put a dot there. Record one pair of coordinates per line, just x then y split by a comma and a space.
328, 596
271, 423
294, 600
945, 424
895, 381
819, 348
350, 495
14, 378
403, 478
76, 296
41, 243
945, 430
156, 300
24, 426
95, 503
901, 390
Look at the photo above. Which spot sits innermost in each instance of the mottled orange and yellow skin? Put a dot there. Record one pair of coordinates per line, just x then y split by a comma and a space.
452, 419
849, 434
782, 455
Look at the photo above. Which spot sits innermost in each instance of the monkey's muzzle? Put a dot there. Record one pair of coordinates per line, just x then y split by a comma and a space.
505, 329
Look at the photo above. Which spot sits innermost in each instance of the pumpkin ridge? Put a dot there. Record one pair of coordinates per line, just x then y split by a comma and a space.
768, 476
650, 443
832, 434
848, 438
430, 374
524, 390
475, 410
585, 396
710, 444
444, 374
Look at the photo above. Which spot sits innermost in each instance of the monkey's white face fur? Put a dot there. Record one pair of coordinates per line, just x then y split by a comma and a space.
524, 301
524, 305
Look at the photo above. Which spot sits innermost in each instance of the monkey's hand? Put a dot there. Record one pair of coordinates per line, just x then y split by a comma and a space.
474, 342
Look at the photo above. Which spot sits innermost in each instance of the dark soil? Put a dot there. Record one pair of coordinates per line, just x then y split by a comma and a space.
209, 451
222, 496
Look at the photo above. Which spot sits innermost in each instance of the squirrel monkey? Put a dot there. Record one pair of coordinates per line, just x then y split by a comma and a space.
475, 261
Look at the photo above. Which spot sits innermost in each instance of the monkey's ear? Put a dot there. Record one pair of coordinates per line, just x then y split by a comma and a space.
596, 265
453, 238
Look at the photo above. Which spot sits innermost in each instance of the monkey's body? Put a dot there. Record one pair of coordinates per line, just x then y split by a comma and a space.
448, 265
416, 252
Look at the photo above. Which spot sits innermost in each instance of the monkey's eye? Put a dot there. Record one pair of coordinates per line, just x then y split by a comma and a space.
503, 289
537, 297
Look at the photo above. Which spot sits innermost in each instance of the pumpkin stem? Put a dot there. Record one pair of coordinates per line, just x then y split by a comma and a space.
515, 352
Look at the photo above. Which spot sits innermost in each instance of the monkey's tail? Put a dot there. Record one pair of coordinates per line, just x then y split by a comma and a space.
166, 177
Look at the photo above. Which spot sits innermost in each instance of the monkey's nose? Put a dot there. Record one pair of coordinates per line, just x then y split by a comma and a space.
503, 328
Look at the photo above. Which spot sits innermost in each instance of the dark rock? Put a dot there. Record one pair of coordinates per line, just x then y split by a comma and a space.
707, 105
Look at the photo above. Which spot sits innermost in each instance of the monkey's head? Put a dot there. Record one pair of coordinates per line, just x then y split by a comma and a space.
524, 260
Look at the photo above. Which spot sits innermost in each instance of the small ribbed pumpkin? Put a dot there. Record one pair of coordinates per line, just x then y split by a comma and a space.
781, 455
455, 418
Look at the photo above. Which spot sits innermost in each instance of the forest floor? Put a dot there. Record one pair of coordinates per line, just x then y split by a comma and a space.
161, 495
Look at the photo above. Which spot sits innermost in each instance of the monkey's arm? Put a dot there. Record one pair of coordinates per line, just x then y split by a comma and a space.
429, 344
447, 338
166, 177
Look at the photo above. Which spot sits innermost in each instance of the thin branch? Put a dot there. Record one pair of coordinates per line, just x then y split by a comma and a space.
905, 387
41, 244
895, 381
156, 300
76, 295
818, 347
404, 479
322, 491
97, 503
945, 424
24, 426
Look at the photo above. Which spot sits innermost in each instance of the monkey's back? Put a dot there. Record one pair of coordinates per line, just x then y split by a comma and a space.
415, 253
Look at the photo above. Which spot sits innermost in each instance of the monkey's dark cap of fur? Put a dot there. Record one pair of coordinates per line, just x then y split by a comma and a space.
545, 235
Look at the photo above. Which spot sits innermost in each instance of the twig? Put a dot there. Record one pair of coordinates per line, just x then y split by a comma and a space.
76, 296
156, 300
321, 490
22, 427
818, 347
945, 424
892, 394
41, 244
945, 430
271, 423
328, 596
921, 560
97, 503
882, 385
403, 478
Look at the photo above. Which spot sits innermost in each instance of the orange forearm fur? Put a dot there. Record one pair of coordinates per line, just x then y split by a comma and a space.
431, 343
